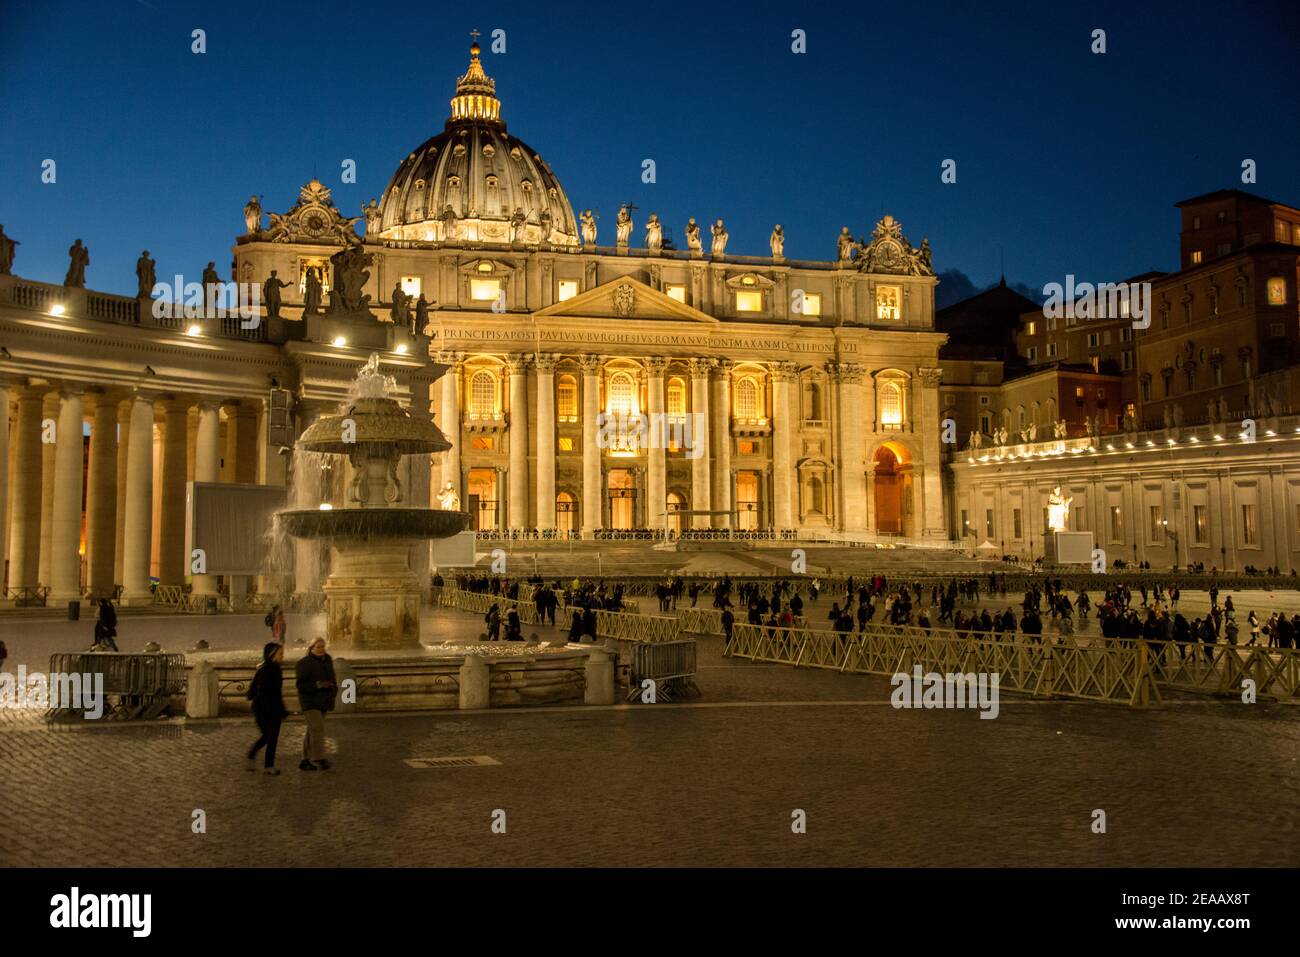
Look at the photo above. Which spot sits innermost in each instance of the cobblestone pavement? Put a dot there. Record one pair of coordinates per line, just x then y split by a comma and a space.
712, 782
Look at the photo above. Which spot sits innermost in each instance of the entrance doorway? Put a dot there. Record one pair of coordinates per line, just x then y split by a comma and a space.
676, 503
622, 499
747, 501
893, 487
566, 513
483, 497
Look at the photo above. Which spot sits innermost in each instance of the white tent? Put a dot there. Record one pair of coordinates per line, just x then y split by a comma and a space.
987, 547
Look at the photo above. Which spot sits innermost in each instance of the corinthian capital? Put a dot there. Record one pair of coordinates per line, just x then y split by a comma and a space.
517, 364
591, 365
655, 366
929, 377
699, 367
847, 372
545, 362
783, 371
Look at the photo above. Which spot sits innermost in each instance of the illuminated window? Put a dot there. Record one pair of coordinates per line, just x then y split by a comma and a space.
411, 286
747, 399
676, 292
1280, 231
1116, 524
1277, 291
566, 394
747, 447
676, 397
566, 444
891, 405
889, 302
749, 301
482, 394
812, 305
567, 289
622, 394
481, 443
1031, 328
1200, 525
484, 290
484, 267
1196, 257
1156, 529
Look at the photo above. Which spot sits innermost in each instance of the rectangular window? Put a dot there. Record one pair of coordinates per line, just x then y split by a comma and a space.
1277, 291
1126, 334
1017, 533
566, 443
676, 292
984, 400
484, 290
889, 302
1096, 363
1032, 353
988, 523
1223, 249
1200, 525
411, 286
1196, 257
1116, 524
747, 447
749, 301
1126, 360
481, 443
1249, 530
1080, 523
1280, 231
1094, 340
1155, 526
566, 289
1051, 349
812, 304
1031, 328
1051, 323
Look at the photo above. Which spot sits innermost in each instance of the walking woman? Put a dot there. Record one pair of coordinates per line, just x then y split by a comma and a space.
266, 692
316, 691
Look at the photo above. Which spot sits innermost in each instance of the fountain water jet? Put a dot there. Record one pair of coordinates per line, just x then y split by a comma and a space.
372, 593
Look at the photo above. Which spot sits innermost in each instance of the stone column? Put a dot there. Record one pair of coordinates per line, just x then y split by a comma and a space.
700, 498
518, 515
241, 444
545, 440
784, 375
138, 511
207, 468
657, 473
592, 493
308, 492
119, 533
721, 429
450, 424
65, 532
101, 500
25, 534
173, 562
853, 499
49, 414
927, 422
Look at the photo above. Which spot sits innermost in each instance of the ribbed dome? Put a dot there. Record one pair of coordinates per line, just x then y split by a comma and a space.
482, 173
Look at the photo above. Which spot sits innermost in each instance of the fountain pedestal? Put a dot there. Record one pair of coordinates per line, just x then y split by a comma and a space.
372, 596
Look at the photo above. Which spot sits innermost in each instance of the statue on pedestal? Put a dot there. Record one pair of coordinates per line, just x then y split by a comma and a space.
623, 226
1058, 510
448, 500
654, 234
312, 293
253, 216
371, 213
588, 228
926, 257
398, 314
350, 277
517, 223
145, 276
777, 242
844, 245
421, 321
7, 249
448, 224
271, 295
693, 242
719, 239
80, 259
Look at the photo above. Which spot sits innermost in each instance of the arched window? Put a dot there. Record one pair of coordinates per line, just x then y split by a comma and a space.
747, 399
1020, 416
566, 395
676, 397
621, 393
482, 393
891, 405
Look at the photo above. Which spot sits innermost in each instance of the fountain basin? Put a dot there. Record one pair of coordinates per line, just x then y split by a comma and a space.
374, 522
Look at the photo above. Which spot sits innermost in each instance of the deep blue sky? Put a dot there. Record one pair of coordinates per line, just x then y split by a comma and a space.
1070, 161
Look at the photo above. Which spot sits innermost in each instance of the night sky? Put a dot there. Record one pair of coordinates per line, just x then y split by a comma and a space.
1066, 160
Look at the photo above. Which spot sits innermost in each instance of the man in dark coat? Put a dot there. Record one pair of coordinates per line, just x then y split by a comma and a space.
316, 692
266, 691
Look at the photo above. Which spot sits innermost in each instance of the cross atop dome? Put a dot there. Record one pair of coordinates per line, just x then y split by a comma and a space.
475, 97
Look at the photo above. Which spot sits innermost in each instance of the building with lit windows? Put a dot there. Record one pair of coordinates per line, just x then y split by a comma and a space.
796, 397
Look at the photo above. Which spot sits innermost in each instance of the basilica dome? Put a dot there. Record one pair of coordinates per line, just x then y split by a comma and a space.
474, 182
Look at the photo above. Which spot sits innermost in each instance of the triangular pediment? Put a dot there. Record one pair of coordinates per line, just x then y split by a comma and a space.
624, 298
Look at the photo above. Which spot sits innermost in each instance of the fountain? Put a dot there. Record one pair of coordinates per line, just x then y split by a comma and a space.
372, 592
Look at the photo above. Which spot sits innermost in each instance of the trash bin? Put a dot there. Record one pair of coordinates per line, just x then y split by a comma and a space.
212, 605
74, 611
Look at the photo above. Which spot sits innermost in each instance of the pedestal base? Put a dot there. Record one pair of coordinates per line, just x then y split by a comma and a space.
372, 597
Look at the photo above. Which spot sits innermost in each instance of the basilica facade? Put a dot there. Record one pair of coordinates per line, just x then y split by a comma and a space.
789, 398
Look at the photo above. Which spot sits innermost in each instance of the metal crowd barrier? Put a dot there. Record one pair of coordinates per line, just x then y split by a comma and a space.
700, 621
1110, 672
624, 626
670, 664
141, 684
1219, 668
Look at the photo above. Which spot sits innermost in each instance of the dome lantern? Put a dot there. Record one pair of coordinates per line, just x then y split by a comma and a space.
475, 97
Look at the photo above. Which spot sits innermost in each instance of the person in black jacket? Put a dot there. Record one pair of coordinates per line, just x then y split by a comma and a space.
266, 693
316, 691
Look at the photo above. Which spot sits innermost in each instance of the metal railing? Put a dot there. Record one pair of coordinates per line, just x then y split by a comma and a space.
140, 684
1112, 672
28, 597
700, 621
1222, 669
671, 665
